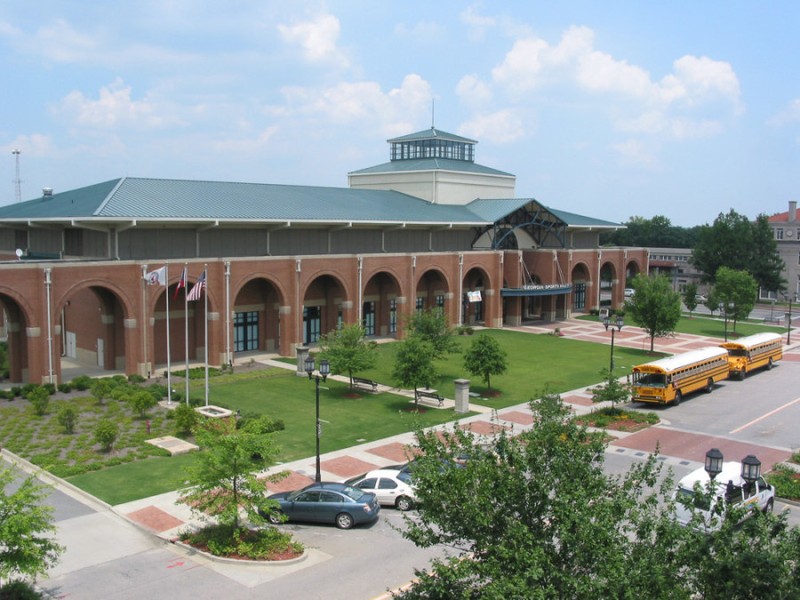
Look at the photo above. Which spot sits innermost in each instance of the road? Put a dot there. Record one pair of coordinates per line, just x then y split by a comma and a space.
110, 558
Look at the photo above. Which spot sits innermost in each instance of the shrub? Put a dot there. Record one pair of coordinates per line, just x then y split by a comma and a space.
185, 419
82, 383
19, 590
136, 378
142, 401
50, 387
16, 391
263, 424
39, 398
106, 433
786, 481
64, 388
260, 544
67, 416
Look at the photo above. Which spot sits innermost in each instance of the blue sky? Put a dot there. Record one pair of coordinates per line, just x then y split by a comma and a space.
609, 109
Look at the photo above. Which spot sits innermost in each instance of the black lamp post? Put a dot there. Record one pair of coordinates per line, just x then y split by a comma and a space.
619, 323
751, 470
324, 371
789, 320
713, 464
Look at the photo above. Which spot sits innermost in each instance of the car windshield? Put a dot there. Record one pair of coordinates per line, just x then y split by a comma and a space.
689, 498
353, 493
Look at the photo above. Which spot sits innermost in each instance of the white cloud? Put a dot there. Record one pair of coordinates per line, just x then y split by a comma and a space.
317, 37
35, 144
361, 102
472, 91
635, 153
788, 115
114, 107
501, 127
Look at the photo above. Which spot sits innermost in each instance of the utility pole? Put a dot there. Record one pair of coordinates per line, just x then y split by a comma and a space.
17, 181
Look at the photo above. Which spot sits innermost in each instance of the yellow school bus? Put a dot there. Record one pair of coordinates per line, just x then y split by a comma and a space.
668, 380
752, 352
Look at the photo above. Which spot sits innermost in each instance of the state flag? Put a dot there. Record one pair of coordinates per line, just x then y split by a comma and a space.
181, 283
157, 277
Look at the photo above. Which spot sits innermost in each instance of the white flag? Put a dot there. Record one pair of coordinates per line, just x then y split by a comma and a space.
157, 277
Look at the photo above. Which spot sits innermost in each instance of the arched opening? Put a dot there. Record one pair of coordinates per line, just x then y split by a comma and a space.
257, 317
580, 282
432, 291
473, 298
607, 284
15, 366
380, 311
323, 308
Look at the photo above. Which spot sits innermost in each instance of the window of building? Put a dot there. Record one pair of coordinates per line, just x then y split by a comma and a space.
393, 316
245, 331
369, 318
779, 233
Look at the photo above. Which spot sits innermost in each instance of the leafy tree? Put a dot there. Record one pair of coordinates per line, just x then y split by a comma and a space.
27, 546
348, 351
485, 357
690, 297
655, 307
222, 482
413, 367
431, 326
537, 517
657, 232
612, 390
102, 388
106, 433
737, 291
734, 242
67, 416
142, 401
39, 398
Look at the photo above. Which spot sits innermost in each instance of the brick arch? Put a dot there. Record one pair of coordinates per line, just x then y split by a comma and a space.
321, 308
17, 317
258, 303
381, 303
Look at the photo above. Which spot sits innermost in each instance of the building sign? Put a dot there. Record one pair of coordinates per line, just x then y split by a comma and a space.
474, 296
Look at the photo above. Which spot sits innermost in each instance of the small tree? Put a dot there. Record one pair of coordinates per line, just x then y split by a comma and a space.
106, 433
485, 357
67, 416
348, 350
185, 419
737, 291
612, 390
431, 326
27, 544
223, 479
39, 398
655, 307
102, 388
413, 367
142, 401
690, 297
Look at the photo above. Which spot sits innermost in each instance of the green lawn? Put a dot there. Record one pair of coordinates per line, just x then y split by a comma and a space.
712, 327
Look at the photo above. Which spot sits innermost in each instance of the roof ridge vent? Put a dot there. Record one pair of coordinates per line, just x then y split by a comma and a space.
47, 192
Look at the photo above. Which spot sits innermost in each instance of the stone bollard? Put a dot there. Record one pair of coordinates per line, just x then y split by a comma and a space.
462, 395
302, 354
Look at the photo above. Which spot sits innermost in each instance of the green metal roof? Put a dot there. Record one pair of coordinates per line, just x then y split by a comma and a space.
430, 164
431, 134
171, 199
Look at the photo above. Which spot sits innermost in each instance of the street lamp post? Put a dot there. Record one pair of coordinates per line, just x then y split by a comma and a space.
751, 470
789, 320
713, 464
619, 323
324, 371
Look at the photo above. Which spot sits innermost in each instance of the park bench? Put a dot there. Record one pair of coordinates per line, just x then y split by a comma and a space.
422, 395
366, 383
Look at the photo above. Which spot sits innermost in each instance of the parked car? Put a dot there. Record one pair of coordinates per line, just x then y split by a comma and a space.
700, 299
729, 487
326, 502
629, 292
391, 487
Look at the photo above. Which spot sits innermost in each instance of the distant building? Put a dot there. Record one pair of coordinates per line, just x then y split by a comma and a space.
786, 229
674, 264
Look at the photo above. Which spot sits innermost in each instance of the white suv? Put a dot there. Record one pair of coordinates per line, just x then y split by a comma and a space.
728, 486
389, 486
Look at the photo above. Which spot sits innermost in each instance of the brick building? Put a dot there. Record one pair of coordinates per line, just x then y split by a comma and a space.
431, 228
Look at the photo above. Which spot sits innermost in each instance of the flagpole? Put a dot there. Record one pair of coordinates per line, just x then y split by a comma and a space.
186, 331
205, 273
169, 366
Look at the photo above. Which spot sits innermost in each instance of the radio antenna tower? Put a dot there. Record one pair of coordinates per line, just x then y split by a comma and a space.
17, 181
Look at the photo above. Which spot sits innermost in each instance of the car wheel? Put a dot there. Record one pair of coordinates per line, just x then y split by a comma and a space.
275, 517
404, 503
769, 365
678, 398
344, 521
742, 374
770, 506
709, 386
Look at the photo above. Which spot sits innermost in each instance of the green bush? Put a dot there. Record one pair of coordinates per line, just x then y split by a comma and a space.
19, 590
786, 481
39, 398
136, 378
64, 388
259, 544
81, 383
67, 416
185, 418
106, 433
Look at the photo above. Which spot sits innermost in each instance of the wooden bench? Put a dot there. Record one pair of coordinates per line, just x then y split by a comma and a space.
423, 395
367, 383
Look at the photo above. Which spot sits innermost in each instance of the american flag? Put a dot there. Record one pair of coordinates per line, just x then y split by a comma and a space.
197, 290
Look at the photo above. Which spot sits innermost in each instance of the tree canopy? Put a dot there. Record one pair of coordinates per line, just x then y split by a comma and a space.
657, 232
535, 516
737, 292
735, 242
655, 307
348, 351
431, 326
413, 367
27, 546
485, 357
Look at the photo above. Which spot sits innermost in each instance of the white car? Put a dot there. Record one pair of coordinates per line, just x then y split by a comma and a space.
728, 486
629, 292
388, 487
